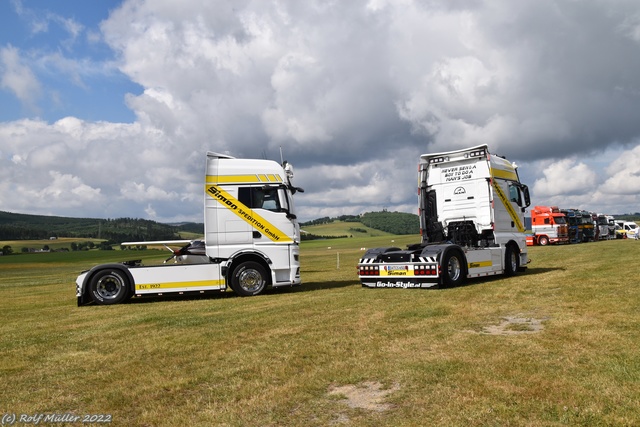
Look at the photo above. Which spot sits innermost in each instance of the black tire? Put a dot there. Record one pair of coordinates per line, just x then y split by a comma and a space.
453, 269
543, 240
249, 278
511, 261
109, 287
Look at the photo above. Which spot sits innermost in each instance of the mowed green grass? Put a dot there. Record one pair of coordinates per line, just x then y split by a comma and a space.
272, 360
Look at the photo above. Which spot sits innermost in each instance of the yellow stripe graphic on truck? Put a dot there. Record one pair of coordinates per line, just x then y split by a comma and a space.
479, 264
172, 285
507, 204
504, 174
252, 218
243, 179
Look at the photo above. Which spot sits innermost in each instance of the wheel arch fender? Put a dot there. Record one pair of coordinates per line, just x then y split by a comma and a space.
241, 257
446, 253
440, 251
373, 253
521, 257
101, 267
455, 248
516, 247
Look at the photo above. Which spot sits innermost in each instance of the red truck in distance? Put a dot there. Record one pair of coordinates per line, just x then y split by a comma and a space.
549, 226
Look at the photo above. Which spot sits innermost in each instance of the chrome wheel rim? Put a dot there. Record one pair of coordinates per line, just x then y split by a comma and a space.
250, 280
109, 286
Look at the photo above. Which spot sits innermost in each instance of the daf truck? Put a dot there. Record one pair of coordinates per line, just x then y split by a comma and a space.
587, 226
471, 206
574, 223
548, 225
251, 240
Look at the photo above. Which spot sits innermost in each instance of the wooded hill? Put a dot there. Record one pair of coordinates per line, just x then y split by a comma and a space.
36, 227
24, 227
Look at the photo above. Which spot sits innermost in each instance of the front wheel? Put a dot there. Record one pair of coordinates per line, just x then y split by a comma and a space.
543, 241
109, 287
511, 260
248, 279
452, 269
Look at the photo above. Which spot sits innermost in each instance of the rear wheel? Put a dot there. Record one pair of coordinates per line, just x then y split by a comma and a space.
452, 269
109, 287
249, 278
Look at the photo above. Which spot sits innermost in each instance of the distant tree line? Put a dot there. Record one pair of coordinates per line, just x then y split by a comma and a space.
357, 230
38, 227
328, 220
628, 217
309, 236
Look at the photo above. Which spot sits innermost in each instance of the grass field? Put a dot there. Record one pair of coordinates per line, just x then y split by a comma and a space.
556, 346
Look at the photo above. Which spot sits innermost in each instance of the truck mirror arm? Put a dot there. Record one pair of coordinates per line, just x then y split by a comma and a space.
295, 190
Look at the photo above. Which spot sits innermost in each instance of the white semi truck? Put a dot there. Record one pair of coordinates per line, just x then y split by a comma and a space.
471, 209
251, 240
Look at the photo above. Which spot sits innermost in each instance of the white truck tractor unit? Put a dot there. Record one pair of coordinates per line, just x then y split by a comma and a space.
471, 209
251, 240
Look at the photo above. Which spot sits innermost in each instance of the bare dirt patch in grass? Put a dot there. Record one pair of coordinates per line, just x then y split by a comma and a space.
515, 325
368, 395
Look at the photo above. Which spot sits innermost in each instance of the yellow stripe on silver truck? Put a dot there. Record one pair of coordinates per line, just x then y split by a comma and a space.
479, 264
173, 285
504, 174
243, 179
248, 215
512, 213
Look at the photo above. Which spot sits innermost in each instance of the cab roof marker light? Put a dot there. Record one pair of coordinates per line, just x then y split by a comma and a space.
438, 159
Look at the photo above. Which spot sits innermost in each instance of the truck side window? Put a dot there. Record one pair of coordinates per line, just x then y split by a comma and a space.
546, 220
259, 198
514, 194
270, 200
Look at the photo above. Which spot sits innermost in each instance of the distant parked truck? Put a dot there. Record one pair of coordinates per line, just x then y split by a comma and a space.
587, 228
549, 226
605, 230
574, 220
612, 226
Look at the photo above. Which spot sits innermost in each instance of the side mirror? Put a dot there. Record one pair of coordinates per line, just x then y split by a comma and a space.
527, 197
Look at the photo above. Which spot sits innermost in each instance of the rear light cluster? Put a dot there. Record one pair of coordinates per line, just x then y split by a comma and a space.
426, 270
369, 270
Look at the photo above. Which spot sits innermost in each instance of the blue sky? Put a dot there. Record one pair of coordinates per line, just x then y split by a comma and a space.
108, 107
61, 43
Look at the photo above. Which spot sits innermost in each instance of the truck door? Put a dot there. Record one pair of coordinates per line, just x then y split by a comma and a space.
274, 228
270, 213
508, 205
